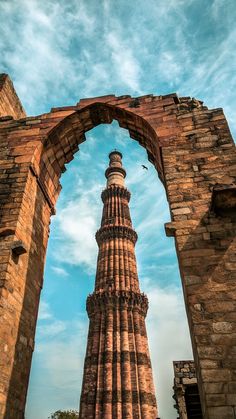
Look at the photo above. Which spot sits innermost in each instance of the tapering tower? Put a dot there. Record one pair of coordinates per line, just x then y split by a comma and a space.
117, 382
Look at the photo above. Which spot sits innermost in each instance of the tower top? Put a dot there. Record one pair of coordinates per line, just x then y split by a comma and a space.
115, 173
115, 152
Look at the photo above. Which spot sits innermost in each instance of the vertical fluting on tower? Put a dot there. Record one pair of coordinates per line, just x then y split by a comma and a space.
117, 381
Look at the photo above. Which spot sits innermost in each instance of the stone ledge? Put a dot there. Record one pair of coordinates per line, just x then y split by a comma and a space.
115, 190
172, 226
105, 300
113, 232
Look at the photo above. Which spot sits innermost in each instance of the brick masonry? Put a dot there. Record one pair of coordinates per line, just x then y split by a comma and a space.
9, 101
186, 393
117, 379
194, 154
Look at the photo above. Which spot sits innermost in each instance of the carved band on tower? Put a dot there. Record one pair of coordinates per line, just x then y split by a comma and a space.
117, 382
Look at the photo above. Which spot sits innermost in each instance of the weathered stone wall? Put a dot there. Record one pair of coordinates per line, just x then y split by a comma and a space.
10, 104
24, 221
194, 154
201, 161
186, 393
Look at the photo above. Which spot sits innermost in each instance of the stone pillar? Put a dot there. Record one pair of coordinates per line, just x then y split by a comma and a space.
117, 379
21, 279
202, 198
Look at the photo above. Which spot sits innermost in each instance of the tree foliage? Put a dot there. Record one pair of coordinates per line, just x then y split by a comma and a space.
66, 414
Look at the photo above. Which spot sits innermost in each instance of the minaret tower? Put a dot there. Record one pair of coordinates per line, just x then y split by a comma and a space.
117, 382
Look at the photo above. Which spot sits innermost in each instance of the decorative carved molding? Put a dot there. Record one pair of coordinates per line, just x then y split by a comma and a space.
113, 232
115, 190
115, 169
104, 300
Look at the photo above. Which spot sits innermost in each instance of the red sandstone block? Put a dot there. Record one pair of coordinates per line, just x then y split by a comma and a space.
162, 132
231, 399
181, 211
222, 327
61, 113
216, 399
216, 375
221, 412
224, 339
232, 387
24, 132
219, 306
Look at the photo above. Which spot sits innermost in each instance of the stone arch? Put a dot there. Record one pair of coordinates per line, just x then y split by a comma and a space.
194, 154
63, 139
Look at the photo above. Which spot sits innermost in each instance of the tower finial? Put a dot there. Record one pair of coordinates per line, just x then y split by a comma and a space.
115, 173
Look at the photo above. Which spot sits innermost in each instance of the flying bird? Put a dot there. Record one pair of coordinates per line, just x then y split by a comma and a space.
144, 167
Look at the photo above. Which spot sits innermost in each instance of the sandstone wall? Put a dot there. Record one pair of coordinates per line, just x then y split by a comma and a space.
194, 154
10, 104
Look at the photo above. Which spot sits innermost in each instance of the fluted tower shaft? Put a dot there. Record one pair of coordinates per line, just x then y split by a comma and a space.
117, 382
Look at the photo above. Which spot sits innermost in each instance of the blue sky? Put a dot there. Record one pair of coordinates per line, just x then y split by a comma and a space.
58, 52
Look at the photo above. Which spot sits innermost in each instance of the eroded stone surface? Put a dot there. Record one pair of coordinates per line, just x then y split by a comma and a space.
186, 393
180, 136
10, 104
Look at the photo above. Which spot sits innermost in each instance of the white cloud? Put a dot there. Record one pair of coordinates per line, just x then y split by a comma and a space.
169, 67
125, 65
218, 8
80, 15
96, 51
37, 49
44, 311
76, 225
59, 271
52, 329
48, 326
75, 345
168, 339
60, 361
212, 65
51, 53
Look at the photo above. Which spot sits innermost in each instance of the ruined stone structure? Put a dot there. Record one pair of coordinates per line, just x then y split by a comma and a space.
117, 379
186, 393
194, 154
